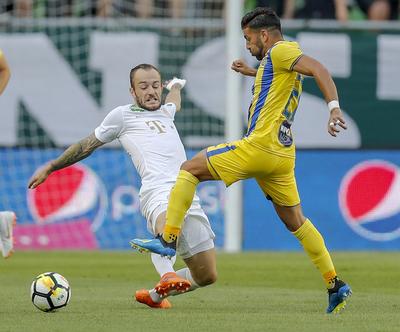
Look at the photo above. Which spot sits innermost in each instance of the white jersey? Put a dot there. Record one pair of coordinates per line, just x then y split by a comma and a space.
152, 141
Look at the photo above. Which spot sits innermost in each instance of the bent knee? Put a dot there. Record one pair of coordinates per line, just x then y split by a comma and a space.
191, 167
186, 165
207, 279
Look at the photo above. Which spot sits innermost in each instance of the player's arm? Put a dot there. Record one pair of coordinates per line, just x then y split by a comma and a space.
311, 67
240, 66
4, 72
174, 96
71, 155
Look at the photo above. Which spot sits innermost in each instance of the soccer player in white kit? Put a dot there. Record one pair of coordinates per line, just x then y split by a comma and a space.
7, 218
147, 132
4, 72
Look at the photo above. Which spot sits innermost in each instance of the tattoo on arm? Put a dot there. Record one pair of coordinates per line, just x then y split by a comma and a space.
76, 152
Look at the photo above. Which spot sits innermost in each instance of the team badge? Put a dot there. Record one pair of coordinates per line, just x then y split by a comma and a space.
285, 134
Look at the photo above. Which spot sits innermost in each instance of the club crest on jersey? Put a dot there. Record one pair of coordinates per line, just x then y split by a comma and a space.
135, 108
285, 134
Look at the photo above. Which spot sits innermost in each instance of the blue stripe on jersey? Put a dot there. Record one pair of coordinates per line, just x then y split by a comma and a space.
288, 115
266, 81
220, 150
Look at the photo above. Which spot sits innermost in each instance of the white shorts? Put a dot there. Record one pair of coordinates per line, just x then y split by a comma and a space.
196, 236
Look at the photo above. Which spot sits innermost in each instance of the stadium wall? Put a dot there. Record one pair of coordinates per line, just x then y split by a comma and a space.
351, 196
74, 62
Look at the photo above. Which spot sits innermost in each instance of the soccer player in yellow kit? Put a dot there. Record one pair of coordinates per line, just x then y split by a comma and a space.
267, 151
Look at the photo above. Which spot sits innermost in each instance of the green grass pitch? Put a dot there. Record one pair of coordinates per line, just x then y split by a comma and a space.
255, 292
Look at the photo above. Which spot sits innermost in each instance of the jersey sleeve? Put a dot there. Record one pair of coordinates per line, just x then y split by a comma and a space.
111, 126
286, 55
169, 109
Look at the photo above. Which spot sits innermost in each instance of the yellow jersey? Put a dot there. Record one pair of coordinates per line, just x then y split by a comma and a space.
276, 94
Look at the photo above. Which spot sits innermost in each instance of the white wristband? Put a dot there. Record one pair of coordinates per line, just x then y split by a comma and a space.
333, 104
174, 81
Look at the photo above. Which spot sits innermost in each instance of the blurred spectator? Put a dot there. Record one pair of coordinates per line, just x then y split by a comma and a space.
105, 8
190, 8
141, 8
39, 8
303, 9
85, 8
323, 9
6, 6
177, 8
114, 8
306, 9
23, 8
210, 8
118, 8
59, 8
380, 10
283, 8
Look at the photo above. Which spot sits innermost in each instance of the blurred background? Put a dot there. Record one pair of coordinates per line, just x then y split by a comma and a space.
70, 63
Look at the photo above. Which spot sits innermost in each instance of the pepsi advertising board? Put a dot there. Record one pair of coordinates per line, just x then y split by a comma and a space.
93, 204
353, 198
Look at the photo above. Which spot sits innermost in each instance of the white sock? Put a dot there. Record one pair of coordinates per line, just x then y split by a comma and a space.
154, 296
185, 273
163, 264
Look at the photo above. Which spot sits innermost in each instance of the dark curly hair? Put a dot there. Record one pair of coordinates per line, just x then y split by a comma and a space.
261, 17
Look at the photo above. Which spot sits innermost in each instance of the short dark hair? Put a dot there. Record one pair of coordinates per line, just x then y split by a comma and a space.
144, 66
261, 17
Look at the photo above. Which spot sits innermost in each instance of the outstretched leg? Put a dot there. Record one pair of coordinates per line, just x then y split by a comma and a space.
196, 247
314, 245
192, 172
169, 282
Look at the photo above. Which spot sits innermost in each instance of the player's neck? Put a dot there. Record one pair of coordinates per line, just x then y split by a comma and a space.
271, 43
140, 108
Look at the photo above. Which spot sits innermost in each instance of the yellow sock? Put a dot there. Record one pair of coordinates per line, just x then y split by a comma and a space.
314, 245
180, 200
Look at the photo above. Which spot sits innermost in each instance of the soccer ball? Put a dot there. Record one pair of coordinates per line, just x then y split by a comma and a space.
50, 291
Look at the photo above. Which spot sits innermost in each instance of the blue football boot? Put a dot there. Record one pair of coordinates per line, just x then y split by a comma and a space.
337, 296
157, 245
